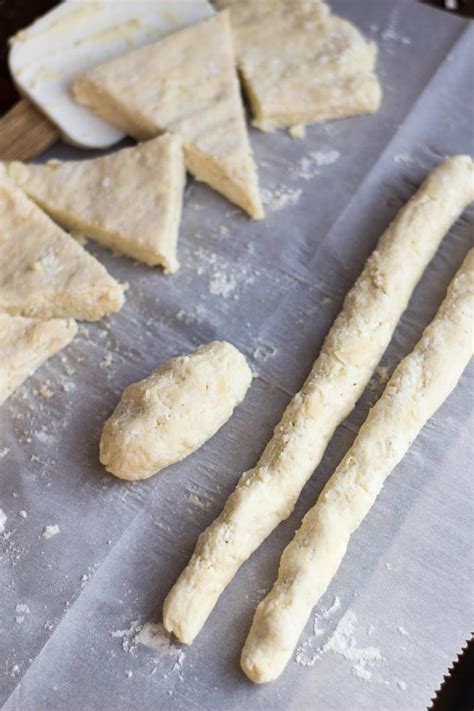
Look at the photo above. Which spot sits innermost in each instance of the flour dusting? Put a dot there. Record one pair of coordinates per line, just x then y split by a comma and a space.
308, 166
154, 636
21, 611
263, 352
224, 279
222, 284
306, 656
280, 196
50, 531
3, 520
343, 642
402, 159
298, 131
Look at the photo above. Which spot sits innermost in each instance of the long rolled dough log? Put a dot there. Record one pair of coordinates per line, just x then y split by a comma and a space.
417, 388
171, 413
266, 495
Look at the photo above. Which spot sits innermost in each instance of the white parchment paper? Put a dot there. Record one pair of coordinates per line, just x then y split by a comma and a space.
73, 604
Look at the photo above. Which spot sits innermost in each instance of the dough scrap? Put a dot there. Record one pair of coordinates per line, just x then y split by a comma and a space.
417, 388
171, 413
44, 272
300, 64
129, 200
185, 84
266, 495
25, 344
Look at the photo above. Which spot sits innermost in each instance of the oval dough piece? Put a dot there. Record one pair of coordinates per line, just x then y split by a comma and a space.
163, 418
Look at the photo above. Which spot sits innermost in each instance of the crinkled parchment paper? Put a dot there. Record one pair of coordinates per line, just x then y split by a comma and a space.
76, 601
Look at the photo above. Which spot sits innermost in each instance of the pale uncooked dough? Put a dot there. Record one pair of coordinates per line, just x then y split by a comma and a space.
162, 419
418, 387
25, 344
266, 495
129, 200
300, 64
44, 272
186, 84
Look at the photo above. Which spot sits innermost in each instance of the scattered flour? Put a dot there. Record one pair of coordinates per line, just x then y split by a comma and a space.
22, 607
106, 361
402, 159
128, 636
280, 196
23, 514
305, 654
224, 279
3, 520
50, 531
154, 637
308, 166
298, 131
15, 670
197, 501
390, 33
403, 631
46, 391
401, 684
44, 436
343, 642
4, 452
264, 352
21, 610
222, 284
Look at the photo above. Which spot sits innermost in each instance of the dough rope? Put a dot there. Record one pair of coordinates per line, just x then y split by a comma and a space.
266, 495
417, 388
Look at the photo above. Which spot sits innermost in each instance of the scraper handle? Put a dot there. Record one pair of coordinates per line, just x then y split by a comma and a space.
25, 132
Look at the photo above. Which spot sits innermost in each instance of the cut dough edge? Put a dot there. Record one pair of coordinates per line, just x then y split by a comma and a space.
26, 344
242, 191
351, 90
356, 96
45, 273
39, 181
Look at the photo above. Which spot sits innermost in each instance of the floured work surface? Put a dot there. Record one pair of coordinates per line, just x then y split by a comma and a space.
74, 599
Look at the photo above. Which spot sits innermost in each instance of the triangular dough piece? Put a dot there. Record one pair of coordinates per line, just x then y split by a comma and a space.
300, 64
129, 201
25, 344
44, 272
186, 84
